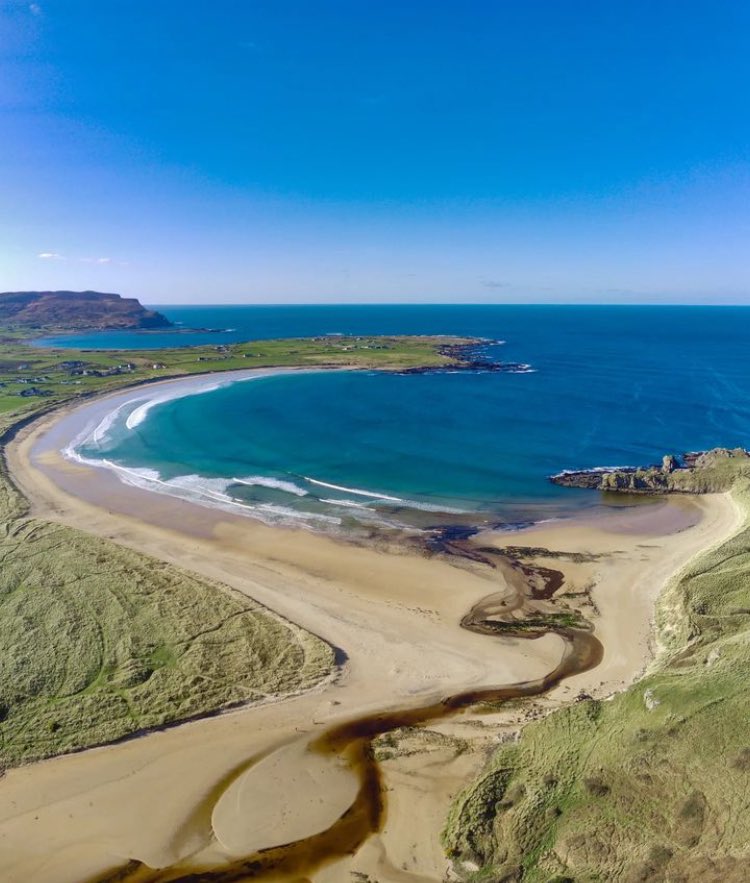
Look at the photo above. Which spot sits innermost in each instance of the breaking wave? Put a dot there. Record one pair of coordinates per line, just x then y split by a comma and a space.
288, 487
354, 490
284, 498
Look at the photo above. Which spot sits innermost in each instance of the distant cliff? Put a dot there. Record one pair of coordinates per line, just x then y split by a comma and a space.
76, 311
701, 473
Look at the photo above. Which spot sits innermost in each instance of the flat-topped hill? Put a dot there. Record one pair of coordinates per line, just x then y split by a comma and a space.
76, 310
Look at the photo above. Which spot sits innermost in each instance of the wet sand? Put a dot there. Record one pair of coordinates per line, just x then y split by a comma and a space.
199, 796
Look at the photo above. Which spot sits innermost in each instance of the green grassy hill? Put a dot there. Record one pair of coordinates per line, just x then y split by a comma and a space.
652, 785
99, 642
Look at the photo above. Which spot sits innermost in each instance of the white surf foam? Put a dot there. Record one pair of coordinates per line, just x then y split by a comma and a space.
137, 416
276, 483
353, 490
210, 492
150, 399
71, 451
349, 504
408, 504
434, 507
101, 432
595, 469
295, 514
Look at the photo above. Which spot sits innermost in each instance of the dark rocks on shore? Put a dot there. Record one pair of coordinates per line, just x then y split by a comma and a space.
476, 366
696, 472
589, 479
469, 357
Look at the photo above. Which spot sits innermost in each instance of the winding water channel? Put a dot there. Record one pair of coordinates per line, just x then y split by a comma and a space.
496, 617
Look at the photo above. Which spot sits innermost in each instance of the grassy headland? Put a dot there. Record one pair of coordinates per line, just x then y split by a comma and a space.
30, 375
650, 785
707, 472
100, 642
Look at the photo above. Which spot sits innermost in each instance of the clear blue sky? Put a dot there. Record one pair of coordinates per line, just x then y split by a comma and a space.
377, 151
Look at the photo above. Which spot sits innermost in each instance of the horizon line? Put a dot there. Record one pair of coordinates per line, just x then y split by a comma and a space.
446, 304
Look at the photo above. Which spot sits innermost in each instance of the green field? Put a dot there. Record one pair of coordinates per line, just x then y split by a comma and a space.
99, 642
56, 375
651, 785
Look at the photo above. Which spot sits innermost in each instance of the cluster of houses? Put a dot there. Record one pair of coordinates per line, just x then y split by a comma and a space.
332, 339
79, 369
75, 369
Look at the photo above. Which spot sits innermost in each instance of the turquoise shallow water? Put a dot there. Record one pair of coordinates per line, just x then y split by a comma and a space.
611, 386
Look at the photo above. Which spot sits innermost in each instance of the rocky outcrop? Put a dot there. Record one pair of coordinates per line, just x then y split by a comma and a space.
697, 472
470, 357
76, 311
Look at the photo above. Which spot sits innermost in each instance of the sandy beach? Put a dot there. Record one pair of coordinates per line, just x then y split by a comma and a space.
193, 796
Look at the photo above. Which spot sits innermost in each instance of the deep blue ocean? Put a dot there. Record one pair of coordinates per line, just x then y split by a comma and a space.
611, 386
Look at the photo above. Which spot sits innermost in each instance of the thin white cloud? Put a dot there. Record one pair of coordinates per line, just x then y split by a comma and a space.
35, 9
99, 261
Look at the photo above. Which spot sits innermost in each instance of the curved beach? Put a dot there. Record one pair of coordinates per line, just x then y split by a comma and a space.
185, 797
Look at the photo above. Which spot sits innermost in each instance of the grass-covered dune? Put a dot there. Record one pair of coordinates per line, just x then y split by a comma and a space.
99, 642
652, 785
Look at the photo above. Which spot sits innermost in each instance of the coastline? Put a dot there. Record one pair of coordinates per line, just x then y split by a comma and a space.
416, 652
300, 501
102, 411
